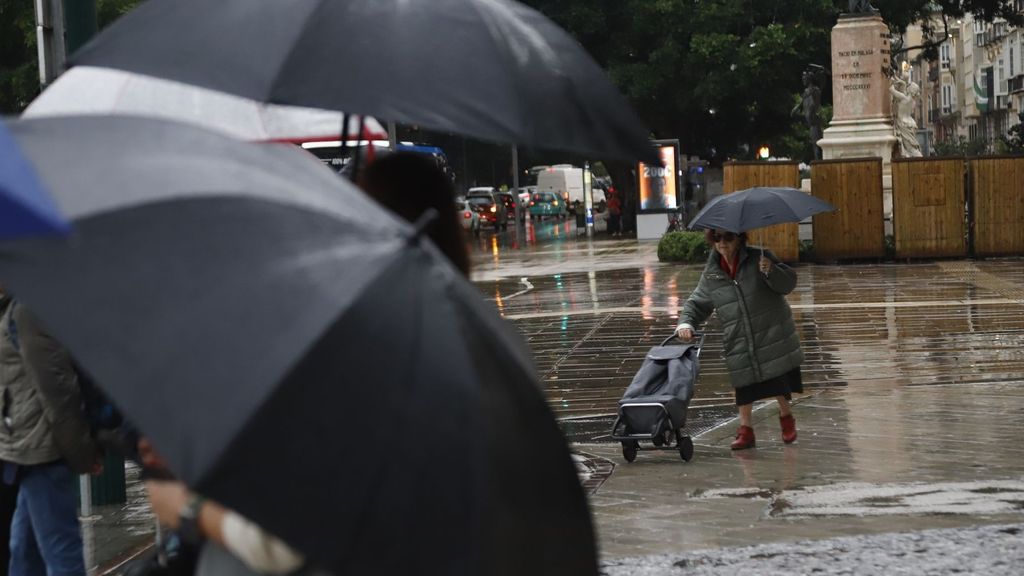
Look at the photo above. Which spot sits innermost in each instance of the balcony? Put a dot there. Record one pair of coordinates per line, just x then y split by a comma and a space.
1015, 84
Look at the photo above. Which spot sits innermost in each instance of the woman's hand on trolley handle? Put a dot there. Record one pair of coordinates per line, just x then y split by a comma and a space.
684, 333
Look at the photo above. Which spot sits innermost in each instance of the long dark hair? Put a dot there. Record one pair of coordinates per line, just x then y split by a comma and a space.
408, 184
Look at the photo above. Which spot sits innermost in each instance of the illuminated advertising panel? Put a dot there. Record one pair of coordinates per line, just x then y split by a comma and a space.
659, 185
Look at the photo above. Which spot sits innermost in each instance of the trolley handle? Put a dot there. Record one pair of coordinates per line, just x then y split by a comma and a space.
699, 335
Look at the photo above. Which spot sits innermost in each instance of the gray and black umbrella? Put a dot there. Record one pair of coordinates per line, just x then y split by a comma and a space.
490, 69
297, 353
758, 207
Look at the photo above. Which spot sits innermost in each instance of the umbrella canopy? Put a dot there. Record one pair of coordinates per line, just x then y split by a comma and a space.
89, 90
25, 207
758, 207
297, 353
491, 69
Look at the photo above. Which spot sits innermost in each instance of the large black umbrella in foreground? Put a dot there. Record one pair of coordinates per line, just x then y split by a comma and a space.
297, 353
491, 69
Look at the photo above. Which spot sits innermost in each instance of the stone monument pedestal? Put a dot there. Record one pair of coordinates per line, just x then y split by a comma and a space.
861, 125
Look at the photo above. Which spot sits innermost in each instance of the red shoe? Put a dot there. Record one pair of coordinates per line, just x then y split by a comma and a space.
744, 438
788, 428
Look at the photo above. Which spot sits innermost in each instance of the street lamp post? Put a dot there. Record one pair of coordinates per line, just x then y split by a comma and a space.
50, 39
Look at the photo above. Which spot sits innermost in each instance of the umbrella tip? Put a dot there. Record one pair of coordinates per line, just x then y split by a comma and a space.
424, 224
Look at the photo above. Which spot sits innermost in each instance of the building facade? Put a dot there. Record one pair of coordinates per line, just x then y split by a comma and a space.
973, 92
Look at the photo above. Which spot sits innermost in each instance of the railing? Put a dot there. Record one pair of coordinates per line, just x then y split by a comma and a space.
1015, 84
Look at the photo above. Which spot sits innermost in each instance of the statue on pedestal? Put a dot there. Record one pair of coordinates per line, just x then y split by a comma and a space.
810, 106
861, 7
904, 94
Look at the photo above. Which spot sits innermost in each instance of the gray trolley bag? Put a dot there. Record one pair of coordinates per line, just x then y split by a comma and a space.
654, 406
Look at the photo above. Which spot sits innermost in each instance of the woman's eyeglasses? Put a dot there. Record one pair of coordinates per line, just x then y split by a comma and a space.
718, 237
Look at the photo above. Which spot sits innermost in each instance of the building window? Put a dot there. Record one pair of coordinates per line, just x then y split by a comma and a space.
947, 99
944, 55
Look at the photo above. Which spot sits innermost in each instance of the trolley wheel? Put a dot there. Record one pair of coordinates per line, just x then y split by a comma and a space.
686, 448
629, 450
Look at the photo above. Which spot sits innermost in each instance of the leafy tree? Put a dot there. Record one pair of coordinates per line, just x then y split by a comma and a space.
19, 66
1013, 142
961, 147
722, 75
19, 74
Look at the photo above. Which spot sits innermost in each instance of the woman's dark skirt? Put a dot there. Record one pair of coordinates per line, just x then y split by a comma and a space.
785, 385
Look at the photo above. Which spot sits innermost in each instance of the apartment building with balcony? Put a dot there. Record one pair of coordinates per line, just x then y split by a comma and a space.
974, 88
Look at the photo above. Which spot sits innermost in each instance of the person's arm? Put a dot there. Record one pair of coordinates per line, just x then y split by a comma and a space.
779, 277
696, 309
256, 548
49, 366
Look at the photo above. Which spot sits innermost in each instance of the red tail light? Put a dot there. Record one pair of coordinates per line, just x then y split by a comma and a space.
469, 214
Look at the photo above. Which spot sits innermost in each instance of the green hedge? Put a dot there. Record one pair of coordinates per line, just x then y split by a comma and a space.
683, 247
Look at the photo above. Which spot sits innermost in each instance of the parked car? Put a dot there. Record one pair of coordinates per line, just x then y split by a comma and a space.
547, 204
486, 203
470, 218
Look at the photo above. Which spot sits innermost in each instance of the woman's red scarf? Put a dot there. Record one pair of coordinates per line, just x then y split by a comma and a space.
730, 270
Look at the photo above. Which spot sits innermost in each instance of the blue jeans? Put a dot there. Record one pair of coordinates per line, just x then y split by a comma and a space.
45, 537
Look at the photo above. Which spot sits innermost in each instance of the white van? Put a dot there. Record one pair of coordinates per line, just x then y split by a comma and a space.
567, 181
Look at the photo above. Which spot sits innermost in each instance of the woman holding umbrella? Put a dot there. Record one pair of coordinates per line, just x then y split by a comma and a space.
747, 286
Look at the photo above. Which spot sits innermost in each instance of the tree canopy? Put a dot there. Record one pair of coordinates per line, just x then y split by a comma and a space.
723, 75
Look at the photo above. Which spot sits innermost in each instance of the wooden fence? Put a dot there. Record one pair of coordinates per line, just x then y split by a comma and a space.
928, 212
782, 239
997, 189
857, 228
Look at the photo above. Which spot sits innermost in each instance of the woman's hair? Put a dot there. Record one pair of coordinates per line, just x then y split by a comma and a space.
708, 233
408, 184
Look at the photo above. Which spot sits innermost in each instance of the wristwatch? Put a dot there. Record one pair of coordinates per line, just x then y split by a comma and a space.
188, 521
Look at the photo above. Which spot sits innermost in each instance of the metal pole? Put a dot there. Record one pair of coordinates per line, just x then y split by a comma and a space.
85, 494
50, 39
392, 136
80, 20
515, 184
588, 198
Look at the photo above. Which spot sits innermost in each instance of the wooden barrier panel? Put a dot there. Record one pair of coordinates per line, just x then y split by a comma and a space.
782, 239
997, 186
928, 215
857, 229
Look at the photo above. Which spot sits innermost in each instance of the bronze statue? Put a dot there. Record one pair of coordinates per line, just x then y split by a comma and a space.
810, 106
861, 7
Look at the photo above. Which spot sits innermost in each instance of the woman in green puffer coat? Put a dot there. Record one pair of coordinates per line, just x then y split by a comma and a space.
748, 287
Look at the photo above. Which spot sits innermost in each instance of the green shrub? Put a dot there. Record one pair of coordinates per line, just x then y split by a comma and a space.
683, 247
807, 250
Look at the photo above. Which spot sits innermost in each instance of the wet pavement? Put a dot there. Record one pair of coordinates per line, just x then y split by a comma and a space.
915, 380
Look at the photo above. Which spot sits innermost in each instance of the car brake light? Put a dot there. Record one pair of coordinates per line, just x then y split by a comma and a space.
532, 203
469, 214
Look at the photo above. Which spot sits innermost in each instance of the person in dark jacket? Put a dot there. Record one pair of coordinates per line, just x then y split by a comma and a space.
44, 441
747, 286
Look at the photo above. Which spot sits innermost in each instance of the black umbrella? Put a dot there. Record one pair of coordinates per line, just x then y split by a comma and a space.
758, 207
297, 353
491, 69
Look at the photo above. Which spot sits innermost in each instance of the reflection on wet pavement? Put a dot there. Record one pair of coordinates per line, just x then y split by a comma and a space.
913, 324
914, 373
